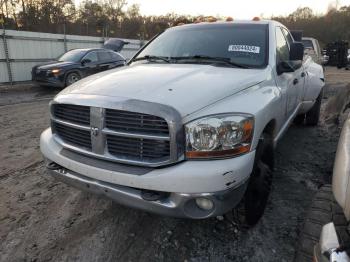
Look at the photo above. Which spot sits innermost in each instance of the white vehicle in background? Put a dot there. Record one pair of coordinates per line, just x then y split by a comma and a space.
325, 236
312, 48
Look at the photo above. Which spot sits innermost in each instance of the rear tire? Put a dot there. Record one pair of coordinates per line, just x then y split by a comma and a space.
299, 119
313, 116
324, 209
252, 206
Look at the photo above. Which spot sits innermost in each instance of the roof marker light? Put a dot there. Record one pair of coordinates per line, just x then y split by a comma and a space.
256, 18
211, 19
229, 19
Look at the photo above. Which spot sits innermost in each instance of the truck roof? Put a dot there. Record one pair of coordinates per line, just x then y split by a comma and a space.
224, 23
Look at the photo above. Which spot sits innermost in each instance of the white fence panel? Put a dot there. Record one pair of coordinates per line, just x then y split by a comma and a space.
34, 49
21, 71
3, 73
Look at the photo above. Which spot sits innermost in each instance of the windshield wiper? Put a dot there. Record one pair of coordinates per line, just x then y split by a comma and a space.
210, 58
151, 57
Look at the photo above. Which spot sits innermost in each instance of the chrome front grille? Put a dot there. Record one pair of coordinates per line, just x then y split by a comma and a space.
118, 135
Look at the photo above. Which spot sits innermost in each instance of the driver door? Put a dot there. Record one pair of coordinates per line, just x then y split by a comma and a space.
292, 83
91, 67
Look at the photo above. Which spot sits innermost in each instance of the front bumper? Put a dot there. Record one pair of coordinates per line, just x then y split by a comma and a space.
221, 181
186, 176
49, 81
170, 204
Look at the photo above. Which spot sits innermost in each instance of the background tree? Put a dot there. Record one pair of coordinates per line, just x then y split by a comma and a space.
115, 18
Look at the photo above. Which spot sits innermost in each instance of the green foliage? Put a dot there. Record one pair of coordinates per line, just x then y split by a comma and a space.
333, 26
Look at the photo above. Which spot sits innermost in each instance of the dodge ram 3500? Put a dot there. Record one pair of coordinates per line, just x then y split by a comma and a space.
188, 127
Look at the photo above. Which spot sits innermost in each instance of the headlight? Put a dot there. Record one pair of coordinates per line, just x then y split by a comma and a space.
219, 136
55, 71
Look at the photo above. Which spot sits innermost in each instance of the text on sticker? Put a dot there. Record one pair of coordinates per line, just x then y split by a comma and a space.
244, 48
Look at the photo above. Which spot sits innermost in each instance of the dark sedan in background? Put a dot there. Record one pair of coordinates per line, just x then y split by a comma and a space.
75, 65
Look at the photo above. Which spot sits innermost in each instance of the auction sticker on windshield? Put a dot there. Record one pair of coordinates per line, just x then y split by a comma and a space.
244, 48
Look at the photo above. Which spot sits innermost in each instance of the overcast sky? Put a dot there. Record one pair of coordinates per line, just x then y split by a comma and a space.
237, 9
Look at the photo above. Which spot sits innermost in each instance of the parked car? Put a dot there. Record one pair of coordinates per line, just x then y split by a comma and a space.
325, 235
188, 128
75, 65
312, 48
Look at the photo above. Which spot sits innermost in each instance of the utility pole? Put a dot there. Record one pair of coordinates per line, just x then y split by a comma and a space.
8, 63
64, 36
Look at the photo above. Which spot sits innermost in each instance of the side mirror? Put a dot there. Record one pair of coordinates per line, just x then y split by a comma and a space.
288, 66
297, 35
85, 61
296, 51
284, 67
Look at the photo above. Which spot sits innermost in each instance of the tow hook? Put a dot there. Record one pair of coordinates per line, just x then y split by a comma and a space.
53, 166
149, 195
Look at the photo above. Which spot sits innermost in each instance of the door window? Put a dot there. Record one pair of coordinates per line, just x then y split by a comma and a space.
104, 56
282, 52
288, 36
116, 56
92, 56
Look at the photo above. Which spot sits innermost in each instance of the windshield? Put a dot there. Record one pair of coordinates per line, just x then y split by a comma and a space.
308, 44
243, 44
72, 56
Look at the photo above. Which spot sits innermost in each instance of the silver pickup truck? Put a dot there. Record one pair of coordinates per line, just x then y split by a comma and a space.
188, 128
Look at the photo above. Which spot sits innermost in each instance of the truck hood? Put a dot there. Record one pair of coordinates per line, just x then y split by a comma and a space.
185, 87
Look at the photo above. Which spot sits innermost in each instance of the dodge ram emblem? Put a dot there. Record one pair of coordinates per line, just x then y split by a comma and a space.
94, 131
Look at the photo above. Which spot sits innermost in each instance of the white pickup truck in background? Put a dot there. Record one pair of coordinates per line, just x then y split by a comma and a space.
188, 128
313, 49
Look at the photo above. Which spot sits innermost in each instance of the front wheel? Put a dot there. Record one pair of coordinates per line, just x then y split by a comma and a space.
72, 78
254, 202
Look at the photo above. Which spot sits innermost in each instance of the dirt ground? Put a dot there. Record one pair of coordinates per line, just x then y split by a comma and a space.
44, 220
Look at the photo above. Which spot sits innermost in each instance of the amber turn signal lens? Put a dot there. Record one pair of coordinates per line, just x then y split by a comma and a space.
218, 154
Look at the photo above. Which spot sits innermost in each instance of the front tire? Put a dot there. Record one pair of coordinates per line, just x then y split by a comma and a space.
252, 207
71, 78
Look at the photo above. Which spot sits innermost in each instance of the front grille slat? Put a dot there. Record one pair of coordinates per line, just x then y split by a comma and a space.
75, 114
146, 143
118, 120
138, 148
138, 124
73, 136
137, 119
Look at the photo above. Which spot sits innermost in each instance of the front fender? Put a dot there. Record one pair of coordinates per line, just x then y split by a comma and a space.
263, 101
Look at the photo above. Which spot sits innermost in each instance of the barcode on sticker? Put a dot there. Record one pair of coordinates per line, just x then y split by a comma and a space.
244, 48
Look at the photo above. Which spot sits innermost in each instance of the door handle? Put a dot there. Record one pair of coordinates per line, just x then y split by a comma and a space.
295, 81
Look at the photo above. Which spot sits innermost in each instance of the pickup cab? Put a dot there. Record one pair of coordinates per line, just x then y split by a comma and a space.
188, 128
313, 49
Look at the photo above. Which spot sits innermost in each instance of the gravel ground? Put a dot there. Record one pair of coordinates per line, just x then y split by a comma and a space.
44, 220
